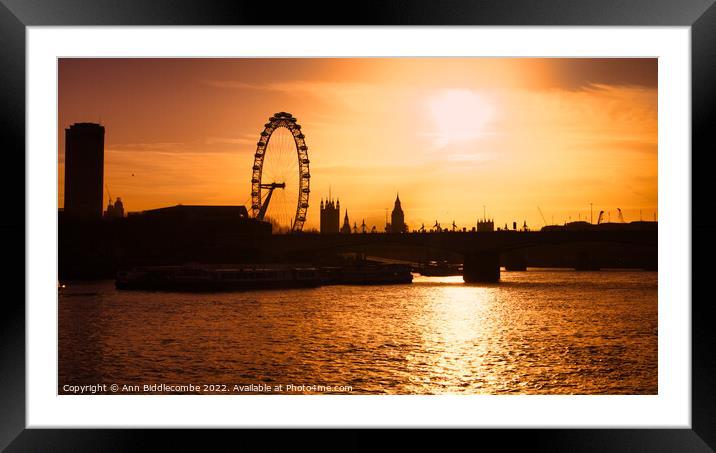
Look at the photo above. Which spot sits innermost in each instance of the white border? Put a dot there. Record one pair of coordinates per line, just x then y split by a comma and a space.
671, 408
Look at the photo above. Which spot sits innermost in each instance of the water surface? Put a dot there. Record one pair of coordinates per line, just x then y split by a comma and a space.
536, 332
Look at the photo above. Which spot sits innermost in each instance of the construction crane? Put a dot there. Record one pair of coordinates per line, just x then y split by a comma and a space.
600, 218
621, 217
109, 195
540, 213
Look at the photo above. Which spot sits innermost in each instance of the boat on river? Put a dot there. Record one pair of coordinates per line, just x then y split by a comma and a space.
365, 273
216, 278
438, 269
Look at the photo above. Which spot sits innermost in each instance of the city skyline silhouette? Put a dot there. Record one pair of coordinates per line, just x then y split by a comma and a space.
515, 135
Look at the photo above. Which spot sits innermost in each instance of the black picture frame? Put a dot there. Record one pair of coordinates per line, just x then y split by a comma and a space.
16, 15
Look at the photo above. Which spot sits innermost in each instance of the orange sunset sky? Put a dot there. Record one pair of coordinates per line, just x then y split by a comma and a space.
450, 134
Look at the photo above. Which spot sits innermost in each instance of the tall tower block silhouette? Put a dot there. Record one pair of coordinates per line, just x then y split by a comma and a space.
84, 171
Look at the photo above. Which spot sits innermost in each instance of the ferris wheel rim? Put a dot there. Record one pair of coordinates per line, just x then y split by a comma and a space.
282, 120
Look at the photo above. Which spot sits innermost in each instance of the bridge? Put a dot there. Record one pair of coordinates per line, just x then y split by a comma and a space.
95, 250
481, 250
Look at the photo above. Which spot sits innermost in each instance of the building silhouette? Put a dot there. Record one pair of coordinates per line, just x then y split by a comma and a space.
397, 219
114, 210
330, 211
84, 171
346, 228
197, 223
485, 225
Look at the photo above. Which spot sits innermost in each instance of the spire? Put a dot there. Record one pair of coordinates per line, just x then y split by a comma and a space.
346, 228
397, 208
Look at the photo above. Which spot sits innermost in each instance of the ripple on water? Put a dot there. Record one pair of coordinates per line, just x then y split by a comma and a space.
535, 332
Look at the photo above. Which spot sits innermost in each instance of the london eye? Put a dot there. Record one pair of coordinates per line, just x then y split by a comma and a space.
280, 181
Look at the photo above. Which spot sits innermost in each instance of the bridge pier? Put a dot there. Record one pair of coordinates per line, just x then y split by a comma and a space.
586, 262
481, 267
515, 261
650, 261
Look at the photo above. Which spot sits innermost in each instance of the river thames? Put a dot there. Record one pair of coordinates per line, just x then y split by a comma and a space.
543, 331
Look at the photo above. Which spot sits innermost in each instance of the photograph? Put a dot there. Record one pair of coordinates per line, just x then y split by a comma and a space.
357, 226
293, 225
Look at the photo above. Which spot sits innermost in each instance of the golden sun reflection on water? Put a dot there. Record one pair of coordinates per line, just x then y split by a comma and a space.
452, 332
454, 279
536, 332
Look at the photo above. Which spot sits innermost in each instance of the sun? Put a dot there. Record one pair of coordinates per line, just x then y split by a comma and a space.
460, 115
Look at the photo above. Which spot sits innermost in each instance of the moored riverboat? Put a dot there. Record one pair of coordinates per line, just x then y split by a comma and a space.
216, 278
438, 269
366, 274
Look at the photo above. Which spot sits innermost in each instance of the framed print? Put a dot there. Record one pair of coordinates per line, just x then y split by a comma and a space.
415, 216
